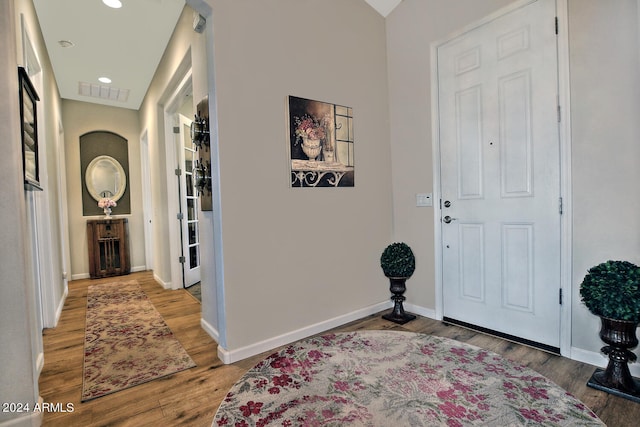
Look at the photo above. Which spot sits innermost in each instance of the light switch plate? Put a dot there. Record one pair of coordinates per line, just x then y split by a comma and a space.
424, 199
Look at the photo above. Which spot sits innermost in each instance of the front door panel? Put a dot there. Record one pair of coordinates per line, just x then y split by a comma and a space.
500, 169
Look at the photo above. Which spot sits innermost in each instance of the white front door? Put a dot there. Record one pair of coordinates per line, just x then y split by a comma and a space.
500, 175
189, 206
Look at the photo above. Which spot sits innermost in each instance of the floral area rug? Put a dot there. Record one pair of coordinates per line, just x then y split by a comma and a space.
386, 378
127, 342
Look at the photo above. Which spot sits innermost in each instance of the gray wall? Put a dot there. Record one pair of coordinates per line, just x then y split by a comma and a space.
294, 257
15, 317
605, 106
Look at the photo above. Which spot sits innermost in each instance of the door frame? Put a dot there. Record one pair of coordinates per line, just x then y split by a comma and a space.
182, 84
564, 133
147, 200
184, 121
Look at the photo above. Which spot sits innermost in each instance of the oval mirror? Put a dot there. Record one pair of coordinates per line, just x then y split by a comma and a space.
105, 177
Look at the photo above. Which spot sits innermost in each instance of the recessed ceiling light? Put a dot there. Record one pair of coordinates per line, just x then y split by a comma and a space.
116, 4
104, 80
65, 43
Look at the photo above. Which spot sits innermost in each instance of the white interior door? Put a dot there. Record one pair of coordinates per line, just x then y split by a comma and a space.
500, 175
189, 206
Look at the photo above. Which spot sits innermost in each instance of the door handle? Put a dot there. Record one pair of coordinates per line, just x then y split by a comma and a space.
447, 219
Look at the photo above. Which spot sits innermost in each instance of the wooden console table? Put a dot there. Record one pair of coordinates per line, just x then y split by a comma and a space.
108, 243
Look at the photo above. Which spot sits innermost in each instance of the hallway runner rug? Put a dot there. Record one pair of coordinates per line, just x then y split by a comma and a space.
387, 378
127, 342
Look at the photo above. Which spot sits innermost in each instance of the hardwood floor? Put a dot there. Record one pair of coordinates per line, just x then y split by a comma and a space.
191, 397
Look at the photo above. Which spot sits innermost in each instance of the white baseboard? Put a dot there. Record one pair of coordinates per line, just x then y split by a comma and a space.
61, 304
209, 329
421, 311
231, 356
599, 360
135, 269
39, 363
165, 285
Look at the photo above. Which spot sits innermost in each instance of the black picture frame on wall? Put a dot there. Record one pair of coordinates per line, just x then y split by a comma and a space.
29, 131
320, 143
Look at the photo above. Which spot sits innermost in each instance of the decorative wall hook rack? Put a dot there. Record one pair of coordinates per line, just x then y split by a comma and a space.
200, 132
200, 136
202, 173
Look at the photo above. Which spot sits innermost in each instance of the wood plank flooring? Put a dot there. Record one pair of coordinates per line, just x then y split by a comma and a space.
191, 397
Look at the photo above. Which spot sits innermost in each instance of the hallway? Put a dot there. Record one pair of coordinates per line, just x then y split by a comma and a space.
187, 398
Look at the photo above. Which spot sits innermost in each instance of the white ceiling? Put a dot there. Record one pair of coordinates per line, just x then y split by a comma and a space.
384, 7
123, 44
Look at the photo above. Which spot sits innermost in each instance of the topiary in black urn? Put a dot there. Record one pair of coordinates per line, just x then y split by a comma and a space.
398, 264
611, 290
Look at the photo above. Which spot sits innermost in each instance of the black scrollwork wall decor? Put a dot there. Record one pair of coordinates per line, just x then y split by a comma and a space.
200, 136
202, 173
200, 132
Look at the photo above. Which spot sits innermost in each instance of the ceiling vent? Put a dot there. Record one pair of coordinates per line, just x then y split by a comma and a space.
103, 92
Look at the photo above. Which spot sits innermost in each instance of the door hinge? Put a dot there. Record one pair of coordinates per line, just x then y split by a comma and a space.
176, 129
178, 172
557, 25
180, 216
559, 113
560, 296
560, 207
182, 260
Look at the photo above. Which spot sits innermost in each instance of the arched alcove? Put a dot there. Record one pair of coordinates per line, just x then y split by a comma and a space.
104, 145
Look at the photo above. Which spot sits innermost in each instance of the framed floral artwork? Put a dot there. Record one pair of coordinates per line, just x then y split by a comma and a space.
320, 143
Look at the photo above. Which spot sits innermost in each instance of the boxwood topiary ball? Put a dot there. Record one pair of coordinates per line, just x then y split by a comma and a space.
612, 290
397, 260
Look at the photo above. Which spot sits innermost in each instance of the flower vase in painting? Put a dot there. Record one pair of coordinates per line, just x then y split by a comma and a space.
311, 131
